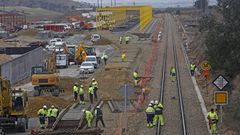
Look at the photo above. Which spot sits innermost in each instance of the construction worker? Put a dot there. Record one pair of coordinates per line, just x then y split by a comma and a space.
173, 74
75, 91
105, 58
54, 114
135, 77
213, 120
88, 117
99, 116
152, 102
158, 107
127, 38
49, 111
42, 113
192, 69
150, 114
81, 95
95, 87
91, 92
120, 39
123, 57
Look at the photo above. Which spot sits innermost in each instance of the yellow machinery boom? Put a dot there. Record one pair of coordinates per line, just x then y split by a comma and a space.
12, 107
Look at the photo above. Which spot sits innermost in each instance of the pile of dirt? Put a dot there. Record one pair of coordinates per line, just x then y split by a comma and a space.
4, 58
35, 103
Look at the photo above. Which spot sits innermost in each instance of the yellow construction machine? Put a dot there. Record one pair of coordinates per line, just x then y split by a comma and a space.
45, 78
82, 52
12, 107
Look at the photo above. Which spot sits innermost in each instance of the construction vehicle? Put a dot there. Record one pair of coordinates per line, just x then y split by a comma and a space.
12, 108
45, 78
82, 51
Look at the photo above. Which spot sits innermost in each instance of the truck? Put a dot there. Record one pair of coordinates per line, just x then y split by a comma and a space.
56, 27
61, 60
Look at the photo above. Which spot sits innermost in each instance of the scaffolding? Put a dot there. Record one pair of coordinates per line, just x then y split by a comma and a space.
108, 18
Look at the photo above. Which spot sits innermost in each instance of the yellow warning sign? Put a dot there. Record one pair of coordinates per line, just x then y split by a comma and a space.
221, 98
205, 65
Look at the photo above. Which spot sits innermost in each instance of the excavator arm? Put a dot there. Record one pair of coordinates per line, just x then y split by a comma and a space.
5, 98
80, 54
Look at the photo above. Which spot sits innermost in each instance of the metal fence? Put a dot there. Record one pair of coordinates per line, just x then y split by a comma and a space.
20, 68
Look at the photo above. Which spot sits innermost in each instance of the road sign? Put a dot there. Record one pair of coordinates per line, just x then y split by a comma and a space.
220, 82
205, 65
221, 97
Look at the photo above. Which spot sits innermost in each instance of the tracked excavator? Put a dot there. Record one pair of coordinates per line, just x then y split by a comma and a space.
46, 78
82, 51
12, 108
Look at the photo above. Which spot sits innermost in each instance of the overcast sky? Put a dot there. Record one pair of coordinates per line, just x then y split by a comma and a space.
155, 3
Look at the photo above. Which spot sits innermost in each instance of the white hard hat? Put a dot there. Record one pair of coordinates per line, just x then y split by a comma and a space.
156, 101
81, 86
45, 106
150, 105
98, 106
83, 110
151, 102
93, 79
52, 106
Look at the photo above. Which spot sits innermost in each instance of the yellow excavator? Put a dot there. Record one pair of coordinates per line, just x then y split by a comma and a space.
12, 108
45, 78
82, 52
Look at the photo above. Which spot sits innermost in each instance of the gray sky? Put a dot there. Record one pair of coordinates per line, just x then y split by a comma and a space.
155, 3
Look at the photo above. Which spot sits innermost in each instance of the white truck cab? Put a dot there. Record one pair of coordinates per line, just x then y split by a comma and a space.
61, 60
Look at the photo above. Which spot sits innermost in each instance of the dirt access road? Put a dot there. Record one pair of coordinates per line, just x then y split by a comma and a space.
195, 123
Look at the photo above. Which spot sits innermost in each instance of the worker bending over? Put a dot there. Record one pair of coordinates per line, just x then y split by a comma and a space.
150, 114
158, 107
75, 91
42, 113
212, 120
88, 116
173, 74
81, 95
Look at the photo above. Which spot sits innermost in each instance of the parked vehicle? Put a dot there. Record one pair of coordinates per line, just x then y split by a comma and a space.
95, 37
62, 60
86, 68
56, 46
56, 27
92, 59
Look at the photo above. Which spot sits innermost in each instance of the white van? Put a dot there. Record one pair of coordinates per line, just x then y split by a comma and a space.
62, 60
92, 59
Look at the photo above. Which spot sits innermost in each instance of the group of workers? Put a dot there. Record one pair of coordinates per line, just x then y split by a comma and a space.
92, 90
89, 116
125, 38
48, 115
154, 113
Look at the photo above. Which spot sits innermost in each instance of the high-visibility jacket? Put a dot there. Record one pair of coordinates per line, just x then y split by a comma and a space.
49, 111
81, 91
192, 66
42, 112
104, 56
120, 38
173, 71
88, 115
158, 109
95, 84
127, 38
54, 112
90, 90
135, 74
75, 89
213, 117
123, 56
150, 110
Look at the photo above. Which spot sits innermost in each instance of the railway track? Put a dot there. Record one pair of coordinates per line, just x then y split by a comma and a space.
71, 121
178, 81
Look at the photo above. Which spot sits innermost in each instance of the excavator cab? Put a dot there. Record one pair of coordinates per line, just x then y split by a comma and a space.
37, 70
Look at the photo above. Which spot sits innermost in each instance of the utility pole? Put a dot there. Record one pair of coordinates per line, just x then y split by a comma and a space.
111, 3
101, 3
115, 2
97, 3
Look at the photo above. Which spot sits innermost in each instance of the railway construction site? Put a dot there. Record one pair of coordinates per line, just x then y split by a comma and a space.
151, 44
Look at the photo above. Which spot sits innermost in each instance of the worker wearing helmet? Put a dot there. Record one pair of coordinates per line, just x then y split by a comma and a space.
123, 56
49, 119
88, 117
213, 120
158, 107
91, 92
75, 91
42, 113
152, 103
192, 69
150, 114
54, 113
95, 87
81, 95
104, 58
99, 116
173, 74
135, 78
